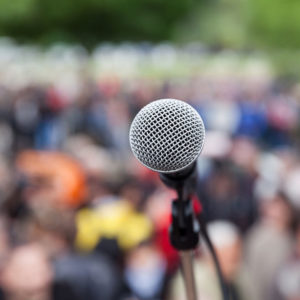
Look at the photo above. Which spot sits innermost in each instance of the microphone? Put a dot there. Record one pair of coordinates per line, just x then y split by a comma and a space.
167, 136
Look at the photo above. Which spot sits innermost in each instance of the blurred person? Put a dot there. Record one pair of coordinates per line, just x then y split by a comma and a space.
137, 189
145, 272
27, 274
227, 193
5, 243
287, 282
286, 285
7, 180
110, 86
54, 189
54, 173
221, 115
210, 151
118, 116
54, 229
268, 243
112, 226
158, 209
291, 184
7, 139
112, 218
96, 119
228, 245
6, 102
92, 275
50, 132
282, 114
103, 168
132, 191
244, 154
36, 118
253, 119
26, 115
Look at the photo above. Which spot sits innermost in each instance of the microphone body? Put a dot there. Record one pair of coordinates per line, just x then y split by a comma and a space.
167, 136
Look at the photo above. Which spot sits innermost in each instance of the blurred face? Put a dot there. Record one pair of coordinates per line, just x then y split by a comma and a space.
132, 194
278, 212
43, 188
145, 271
27, 274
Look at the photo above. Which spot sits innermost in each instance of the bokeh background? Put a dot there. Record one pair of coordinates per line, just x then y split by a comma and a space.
80, 217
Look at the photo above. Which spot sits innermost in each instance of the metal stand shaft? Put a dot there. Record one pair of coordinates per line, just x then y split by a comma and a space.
188, 274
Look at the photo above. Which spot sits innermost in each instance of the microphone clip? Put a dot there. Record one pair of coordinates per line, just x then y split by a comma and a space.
184, 230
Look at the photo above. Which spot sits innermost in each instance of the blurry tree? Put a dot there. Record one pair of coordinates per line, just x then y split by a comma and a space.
274, 26
271, 26
233, 23
215, 22
90, 21
243, 23
274, 23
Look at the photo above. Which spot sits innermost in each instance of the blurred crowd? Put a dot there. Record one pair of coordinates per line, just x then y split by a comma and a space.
81, 218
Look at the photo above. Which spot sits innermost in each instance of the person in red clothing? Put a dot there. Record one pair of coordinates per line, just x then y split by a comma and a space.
159, 210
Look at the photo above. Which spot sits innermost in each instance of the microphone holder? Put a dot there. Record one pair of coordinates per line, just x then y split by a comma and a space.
184, 236
184, 230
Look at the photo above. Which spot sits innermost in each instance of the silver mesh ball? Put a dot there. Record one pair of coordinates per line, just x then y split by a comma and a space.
167, 135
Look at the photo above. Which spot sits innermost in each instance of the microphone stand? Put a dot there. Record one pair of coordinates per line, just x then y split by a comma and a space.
184, 230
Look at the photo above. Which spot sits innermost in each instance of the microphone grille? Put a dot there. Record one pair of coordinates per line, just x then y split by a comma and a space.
167, 135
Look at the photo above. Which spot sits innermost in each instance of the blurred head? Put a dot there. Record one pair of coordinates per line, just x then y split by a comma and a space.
52, 175
227, 242
54, 229
244, 153
132, 191
277, 211
145, 270
27, 274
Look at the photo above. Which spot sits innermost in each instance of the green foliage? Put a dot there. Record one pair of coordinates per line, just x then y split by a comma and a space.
90, 21
217, 23
275, 23
243, 23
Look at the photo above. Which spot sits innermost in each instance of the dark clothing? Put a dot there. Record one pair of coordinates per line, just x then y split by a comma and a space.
92, 277
60, 291
227, 194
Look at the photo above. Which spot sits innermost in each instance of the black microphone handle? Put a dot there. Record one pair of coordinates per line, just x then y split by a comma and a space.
184, 181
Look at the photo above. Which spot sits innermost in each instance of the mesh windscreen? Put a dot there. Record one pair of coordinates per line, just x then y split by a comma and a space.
167, 135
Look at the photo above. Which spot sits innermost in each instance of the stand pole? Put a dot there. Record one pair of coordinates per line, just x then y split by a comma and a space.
188, 274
